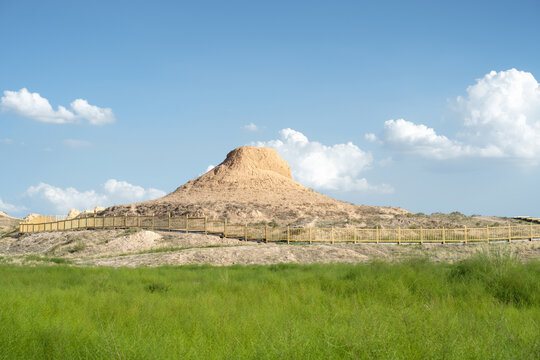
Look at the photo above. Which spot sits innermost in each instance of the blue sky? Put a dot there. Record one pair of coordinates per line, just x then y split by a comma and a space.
425, 105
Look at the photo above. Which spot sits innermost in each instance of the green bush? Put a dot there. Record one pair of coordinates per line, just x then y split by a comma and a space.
503, 276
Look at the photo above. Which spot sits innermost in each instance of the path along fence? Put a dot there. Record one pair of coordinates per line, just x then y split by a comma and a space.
291, 234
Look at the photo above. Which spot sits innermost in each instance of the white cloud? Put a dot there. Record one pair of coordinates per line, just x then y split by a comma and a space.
370, 137
74, 143
500, 118
6, 141
124, 191
114, 192
407, 136
250, 127
33, 106
9, 208
95, 115
65, 199
335, 167
502, 110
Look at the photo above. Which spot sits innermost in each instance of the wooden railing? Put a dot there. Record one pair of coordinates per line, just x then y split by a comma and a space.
292, 234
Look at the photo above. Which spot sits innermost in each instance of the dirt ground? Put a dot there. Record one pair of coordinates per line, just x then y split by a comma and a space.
130, 248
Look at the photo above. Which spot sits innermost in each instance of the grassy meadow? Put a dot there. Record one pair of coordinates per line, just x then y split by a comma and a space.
487, 307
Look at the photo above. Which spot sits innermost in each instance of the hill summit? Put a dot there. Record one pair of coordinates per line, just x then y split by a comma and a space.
254, 184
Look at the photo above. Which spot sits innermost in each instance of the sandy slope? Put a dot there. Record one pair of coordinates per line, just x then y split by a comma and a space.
7, 222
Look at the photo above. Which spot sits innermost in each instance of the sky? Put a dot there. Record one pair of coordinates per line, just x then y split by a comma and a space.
429, 106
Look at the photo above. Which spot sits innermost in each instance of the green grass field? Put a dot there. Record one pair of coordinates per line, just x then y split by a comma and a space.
487, 307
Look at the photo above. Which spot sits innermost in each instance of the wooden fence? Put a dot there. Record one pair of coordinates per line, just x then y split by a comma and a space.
292, 234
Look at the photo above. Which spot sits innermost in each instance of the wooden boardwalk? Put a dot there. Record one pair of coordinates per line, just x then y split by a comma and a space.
294, 234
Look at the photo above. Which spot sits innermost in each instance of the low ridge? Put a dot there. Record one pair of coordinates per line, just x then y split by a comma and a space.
7, 221
4, 215
253, 184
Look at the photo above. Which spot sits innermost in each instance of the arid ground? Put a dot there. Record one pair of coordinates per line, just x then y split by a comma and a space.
133, 248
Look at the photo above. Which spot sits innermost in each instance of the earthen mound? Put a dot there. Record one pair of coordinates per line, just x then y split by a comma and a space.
253, 184
6, 216
7, 221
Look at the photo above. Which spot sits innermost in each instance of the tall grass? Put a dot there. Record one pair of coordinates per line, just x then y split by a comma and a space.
487, 307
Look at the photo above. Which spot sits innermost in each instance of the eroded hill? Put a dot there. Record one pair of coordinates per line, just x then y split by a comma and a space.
254, 184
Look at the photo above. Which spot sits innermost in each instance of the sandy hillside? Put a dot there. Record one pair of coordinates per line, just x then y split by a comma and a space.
254, 184
119, 248
7, 222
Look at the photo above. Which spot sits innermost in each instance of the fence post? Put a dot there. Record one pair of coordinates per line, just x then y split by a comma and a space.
169, 221
153, 222
310, 239
138, 220
354, 235
466, 235
377, 235
332, 234
531, 238
125, 221
225, 229
487, 234
266, 233
288, 234
245, 232
421, 235
187, 223
443, 235
399, 235
509, 233
205, 225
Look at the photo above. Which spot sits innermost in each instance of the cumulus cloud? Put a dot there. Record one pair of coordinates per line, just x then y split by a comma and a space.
114, 192
124, 191
95, 115
65, 199
502, 110
9, 208
370, 137
251, 127
74, 143
334, 167
500, 117
33, 106
409, 137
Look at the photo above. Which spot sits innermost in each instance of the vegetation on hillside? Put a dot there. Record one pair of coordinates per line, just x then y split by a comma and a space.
418, 220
